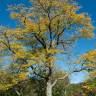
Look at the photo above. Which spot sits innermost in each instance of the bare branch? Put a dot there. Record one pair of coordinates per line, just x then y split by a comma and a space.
40, 41
84, 68
62, 78
78, 70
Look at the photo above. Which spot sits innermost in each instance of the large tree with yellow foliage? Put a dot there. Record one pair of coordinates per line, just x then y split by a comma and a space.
44, 30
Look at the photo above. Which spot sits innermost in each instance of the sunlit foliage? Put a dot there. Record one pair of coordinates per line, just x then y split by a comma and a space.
45, 29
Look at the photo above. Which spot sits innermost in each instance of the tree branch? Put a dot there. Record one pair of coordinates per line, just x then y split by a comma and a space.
84, 68
43, 41
62, 78
42, 6
36, 72
40, 41
58, 36
78, 70
8, 43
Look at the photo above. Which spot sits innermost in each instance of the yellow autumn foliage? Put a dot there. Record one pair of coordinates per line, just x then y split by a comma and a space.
6, 80
27, 65
14, 15
51, 22
89, 59
86, 33
20, 54
22, 76
90, 55
16, 46
31, 27
50, 61
2, 46
17, 33
92, 74
53, 51
4, 87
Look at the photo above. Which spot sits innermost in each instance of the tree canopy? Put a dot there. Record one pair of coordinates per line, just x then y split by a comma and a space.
44, 29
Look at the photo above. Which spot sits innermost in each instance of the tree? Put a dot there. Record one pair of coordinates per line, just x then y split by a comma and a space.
89, 87
45, 29
24, 88
88, 61
7, 80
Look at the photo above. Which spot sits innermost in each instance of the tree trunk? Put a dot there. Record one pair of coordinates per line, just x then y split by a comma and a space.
49, 88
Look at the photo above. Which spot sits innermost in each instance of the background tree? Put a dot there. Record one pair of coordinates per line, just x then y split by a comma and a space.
88, 62
45, 30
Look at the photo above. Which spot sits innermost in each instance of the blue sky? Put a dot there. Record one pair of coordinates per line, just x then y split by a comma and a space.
4, 16
82, 46
88, 6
